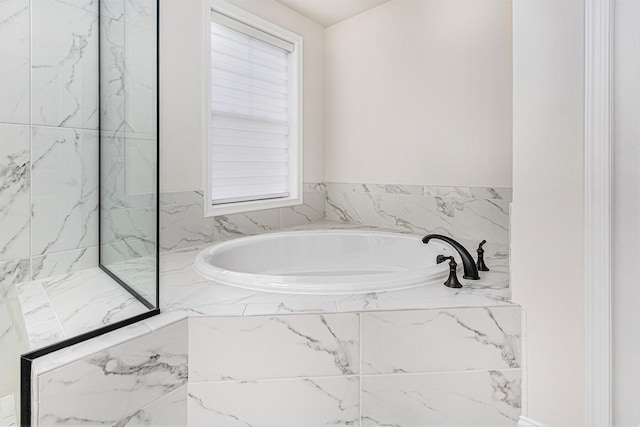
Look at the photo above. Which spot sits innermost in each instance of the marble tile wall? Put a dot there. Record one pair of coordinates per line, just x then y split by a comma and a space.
138, 382
415, 367
48, 138
471, 213
183, 224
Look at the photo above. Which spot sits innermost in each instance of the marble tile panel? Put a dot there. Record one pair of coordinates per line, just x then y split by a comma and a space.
64, 69
34, 304
498, 193
12, 273
313, 210
140, 71
245, 224
168, 411
293, 307
314, 186
309, 402
417, 190
140, 165
44, 334
112, 66
273, 347
417, 214
97, 301
64, 190
184, 225
352, 207
14, 187
448, 192
441, 340
474, 399
141, 13
478, 219
14, 57
84, 349
64, 262
108, 386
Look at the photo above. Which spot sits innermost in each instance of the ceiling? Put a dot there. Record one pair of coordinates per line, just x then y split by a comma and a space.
329, 12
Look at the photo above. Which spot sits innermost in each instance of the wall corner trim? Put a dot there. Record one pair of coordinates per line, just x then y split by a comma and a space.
598, 210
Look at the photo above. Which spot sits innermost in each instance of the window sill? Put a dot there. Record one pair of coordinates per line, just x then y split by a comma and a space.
254, 205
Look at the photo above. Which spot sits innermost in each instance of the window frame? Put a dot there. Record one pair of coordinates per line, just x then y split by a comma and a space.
295, 149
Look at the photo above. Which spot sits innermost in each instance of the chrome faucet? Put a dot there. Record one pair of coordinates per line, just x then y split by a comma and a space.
470, 269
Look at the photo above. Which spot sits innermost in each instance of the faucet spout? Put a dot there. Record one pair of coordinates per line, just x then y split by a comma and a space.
469, 264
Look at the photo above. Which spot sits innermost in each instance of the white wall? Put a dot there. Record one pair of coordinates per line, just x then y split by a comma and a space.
419, 92
626, 220
181, 88
547, 237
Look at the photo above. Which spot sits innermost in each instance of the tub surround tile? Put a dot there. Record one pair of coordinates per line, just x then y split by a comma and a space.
418, 215
14, 57
299, 402
479, 219
183, 225
441, 340
289, 307
244, 224
449, 192
273, 347
14, 189
478, 398
313, 210
110, 385
64, 187
499, 193
169, 411
352, 207
64, 71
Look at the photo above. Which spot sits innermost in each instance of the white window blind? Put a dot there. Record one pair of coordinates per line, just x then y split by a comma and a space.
249, 113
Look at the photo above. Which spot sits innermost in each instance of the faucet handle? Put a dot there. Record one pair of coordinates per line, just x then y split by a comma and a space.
452, 280
480, 264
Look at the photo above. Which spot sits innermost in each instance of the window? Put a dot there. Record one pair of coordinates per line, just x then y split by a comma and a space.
253, 111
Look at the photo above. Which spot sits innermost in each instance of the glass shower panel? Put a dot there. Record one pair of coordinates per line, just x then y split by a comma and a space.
128, 145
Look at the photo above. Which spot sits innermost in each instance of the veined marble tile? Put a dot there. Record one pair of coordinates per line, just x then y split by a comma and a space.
245, 224
14, 186
441, 340
474, 399
34, 304
63, 262
449, 192
273, 347
89, 299
141, 13
64, 69
140, 70
64, 190
293, 307
314, 186
313, 210
184, 225
170, 411
499, 193
308, 402
112, 63
352, 207
417, 190
14, 57
417, 214
12, 273
140, 155
482, 219
44, 334
107, 386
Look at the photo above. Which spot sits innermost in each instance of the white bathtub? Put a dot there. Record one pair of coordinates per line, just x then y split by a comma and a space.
325, 262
